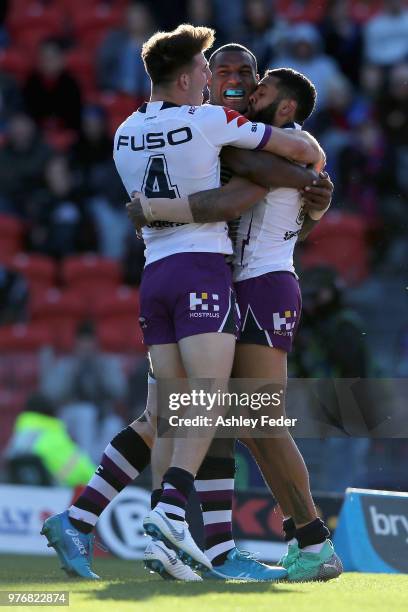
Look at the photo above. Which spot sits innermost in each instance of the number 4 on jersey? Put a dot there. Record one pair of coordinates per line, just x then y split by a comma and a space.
157, 183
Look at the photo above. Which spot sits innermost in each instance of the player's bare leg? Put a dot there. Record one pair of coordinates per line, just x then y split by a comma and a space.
280, 461
310, 554
189, 451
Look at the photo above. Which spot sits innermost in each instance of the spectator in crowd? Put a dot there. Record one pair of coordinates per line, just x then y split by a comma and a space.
92, 153
361, 170
262, 31
386, 34
85, 386
120, 66
13, 296
169, 15
39, 434
11, 100
23, 158
60, 224
201, 13
332, 125
51, 93
343, 39
304, 55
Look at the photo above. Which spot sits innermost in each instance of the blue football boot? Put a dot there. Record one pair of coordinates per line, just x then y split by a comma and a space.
74, 549
241, 565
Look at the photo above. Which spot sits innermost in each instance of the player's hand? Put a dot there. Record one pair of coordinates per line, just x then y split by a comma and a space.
318, 195
135, 213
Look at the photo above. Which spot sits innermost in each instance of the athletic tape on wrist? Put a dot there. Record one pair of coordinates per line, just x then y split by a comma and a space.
164, 209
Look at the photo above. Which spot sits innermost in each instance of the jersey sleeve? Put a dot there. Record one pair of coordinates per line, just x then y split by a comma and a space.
223, 126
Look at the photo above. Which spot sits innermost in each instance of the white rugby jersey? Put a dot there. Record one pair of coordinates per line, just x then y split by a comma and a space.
166, 150
267, 234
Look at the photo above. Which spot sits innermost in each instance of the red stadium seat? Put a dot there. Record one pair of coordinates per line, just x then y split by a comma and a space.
12, 402
11, 233
117, 336
92, 275
122, 303
118, 107
56, 307
91, 23
39, 270
15, 62
31, 22
23, 338
339, 241
306, 11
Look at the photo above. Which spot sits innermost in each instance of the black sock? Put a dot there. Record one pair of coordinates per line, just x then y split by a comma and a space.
289, 529
155, 497
177, 486
315, 532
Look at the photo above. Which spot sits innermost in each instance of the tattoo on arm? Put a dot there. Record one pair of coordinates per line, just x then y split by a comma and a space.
205, 206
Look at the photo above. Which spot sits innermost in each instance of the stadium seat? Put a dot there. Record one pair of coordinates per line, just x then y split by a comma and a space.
11, 233
11, 403
122, 303
23, 338
56, 307
306, 11
39, 270
15, 62
118, 107
339, 241
117, 336
91, 23
31, 22
91, 274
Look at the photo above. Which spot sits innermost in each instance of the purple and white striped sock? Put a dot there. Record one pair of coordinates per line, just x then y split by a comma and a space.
123, 459
177, 485
216, 497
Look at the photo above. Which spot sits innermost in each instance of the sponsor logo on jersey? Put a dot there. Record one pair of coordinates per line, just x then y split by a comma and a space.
204, 305
284, 322
289, 235
164, 224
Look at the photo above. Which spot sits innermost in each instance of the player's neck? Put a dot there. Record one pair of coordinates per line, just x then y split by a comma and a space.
168, 95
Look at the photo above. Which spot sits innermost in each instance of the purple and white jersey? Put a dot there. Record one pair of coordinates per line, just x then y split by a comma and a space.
170, 151
267, 234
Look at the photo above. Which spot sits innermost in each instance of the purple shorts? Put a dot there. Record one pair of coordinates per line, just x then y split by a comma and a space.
270, 307
187, 294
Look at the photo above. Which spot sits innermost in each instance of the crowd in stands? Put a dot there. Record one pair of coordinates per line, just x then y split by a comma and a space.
71, 71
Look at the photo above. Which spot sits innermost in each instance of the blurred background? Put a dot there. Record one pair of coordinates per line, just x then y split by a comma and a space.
72, 362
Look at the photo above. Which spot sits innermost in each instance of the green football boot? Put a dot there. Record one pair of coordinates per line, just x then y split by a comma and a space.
290, 556
309, 566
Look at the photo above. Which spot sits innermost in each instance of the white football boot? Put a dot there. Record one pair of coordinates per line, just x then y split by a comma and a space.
164, 561
176, 535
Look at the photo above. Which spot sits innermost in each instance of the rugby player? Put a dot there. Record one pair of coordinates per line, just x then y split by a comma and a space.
179, 73
267, 291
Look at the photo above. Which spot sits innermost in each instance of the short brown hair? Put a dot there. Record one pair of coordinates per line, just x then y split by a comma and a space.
165, 53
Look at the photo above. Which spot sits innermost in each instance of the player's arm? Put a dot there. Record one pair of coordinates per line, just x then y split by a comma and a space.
220, 204
266, 169
296, 145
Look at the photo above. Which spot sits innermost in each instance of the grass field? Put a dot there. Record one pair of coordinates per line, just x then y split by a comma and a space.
127, 586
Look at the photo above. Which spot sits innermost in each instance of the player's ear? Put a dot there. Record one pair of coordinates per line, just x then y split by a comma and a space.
184, 81
287, 107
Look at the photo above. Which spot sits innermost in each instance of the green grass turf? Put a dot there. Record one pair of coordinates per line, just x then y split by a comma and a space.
127, 586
